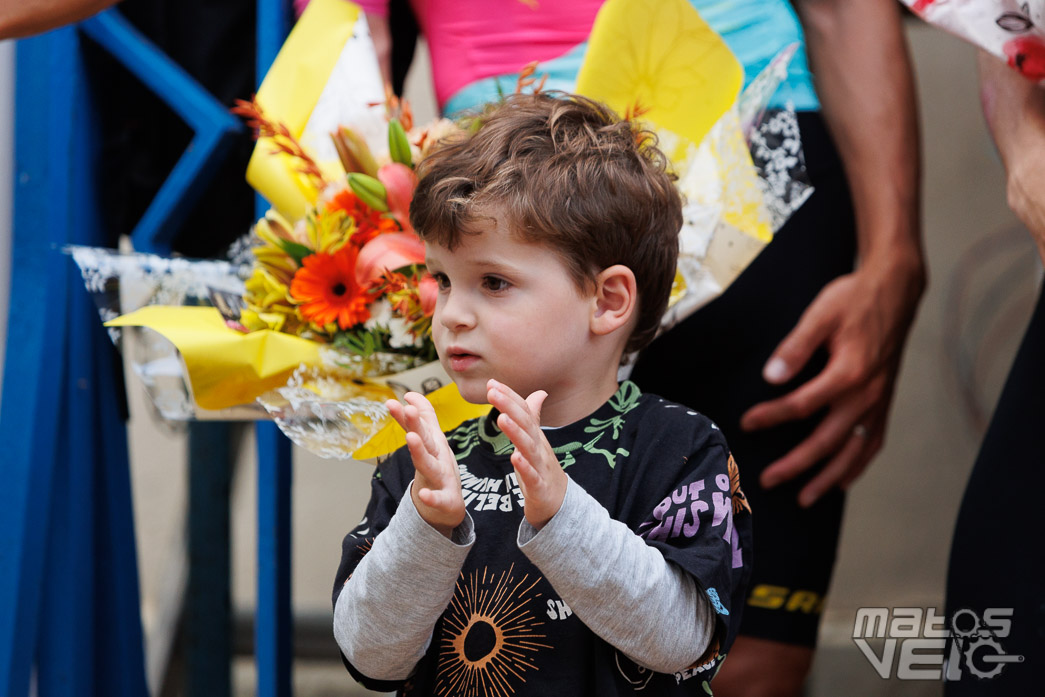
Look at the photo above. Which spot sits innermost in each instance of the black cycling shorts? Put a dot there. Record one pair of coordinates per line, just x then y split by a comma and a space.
996, 555
713, 363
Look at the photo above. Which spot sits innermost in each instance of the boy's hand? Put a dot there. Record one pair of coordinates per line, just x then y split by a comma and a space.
541, 478
436, 491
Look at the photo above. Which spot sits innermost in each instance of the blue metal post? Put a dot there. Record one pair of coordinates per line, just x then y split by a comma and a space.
273, 649
208, 607
273, 628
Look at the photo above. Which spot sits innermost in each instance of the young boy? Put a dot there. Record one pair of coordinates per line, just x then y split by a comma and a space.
582, 538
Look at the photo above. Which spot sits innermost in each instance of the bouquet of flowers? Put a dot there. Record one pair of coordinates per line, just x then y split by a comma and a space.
351, 273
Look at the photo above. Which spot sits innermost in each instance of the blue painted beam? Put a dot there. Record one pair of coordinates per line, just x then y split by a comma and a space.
208, 606
273, 627
273, 648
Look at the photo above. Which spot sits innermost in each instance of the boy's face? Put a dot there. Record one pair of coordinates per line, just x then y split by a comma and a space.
508, 310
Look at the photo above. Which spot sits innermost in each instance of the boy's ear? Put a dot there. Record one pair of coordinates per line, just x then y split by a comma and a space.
615, 301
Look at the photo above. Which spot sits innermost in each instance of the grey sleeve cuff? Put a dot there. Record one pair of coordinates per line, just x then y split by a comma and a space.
384, 615
621, 588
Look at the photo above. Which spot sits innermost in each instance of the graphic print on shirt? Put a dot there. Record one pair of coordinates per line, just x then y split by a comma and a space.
679, 513
484, 429
490, 636
740, 502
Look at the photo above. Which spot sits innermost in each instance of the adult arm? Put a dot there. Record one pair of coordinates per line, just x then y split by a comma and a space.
385, 613
381, 35
621, 588
1015, 111
21, 18
863, 75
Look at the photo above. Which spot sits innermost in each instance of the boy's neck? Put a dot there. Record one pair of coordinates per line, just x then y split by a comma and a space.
573, 404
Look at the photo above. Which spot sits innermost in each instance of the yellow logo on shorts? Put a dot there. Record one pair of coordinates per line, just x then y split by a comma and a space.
771, 597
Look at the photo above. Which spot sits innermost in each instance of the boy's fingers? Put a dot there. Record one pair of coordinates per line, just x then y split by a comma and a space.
435, 498
535, 401
520, 437
426, 415
395, 409
528, 476
510, 403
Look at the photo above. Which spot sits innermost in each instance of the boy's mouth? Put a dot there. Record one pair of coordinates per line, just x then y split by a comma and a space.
460, 359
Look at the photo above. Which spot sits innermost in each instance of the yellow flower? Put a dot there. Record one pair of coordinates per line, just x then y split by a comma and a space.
329, 230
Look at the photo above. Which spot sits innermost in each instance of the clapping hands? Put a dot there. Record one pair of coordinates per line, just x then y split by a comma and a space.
436, 491
540, 475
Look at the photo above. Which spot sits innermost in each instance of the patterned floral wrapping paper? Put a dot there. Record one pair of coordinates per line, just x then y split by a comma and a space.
1012, 30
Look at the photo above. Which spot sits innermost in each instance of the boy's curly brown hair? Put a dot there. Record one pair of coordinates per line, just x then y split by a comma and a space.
568, 173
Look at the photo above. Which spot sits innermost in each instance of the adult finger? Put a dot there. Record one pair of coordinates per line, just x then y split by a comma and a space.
833, 471
830, 436
794, 351
840, 375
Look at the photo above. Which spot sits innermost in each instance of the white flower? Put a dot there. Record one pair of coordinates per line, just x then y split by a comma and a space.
381, 317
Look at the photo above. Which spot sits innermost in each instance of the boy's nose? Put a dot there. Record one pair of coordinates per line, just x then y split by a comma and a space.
455, 313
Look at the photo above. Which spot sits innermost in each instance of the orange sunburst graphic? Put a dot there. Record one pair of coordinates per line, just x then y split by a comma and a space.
490, 636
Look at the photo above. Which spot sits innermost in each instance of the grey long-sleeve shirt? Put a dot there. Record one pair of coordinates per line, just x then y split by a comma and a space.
641, 569
620, 587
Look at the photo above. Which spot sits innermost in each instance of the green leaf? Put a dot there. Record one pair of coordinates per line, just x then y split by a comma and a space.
297, 251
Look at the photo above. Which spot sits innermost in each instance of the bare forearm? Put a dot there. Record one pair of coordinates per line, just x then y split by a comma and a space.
27, 17
382, 38
1015, 111
863, 76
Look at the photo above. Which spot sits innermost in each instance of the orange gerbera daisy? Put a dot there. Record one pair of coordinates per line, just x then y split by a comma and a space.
326, 287
369, 223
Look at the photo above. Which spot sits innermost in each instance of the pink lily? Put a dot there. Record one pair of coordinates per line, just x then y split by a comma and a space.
428, 289
400, 182
388, 252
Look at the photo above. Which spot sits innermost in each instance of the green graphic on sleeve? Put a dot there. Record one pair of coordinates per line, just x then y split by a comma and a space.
484, 429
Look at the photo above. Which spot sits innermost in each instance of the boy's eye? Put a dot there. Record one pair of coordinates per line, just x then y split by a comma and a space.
495, 283
441, 280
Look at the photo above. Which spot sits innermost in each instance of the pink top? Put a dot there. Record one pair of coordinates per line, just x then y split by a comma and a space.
474, 39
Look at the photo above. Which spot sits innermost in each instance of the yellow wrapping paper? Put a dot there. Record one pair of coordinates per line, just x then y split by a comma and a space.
662, 56
225, 367
450, 407
288, 95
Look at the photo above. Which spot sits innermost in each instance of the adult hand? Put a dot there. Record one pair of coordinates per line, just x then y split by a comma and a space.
862, 319
540, 475
436, 491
